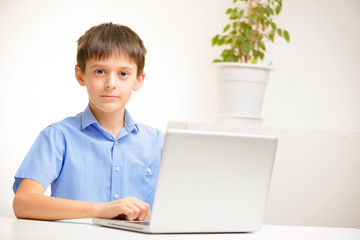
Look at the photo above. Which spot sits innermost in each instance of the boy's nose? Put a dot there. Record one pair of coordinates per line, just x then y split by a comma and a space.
111, 82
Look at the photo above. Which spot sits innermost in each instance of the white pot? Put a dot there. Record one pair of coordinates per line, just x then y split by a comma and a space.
241, 89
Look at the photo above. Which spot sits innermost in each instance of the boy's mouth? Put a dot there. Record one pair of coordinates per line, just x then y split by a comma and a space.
109, 97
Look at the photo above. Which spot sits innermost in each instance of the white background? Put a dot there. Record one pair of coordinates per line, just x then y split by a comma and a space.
315, 87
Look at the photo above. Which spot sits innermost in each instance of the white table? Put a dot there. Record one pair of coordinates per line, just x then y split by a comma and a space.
17, 229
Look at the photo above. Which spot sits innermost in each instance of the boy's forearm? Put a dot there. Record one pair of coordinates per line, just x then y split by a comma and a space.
37, 206
29, 202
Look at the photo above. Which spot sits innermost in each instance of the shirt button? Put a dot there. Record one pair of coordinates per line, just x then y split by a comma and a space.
117, 169
148, 170
116, 195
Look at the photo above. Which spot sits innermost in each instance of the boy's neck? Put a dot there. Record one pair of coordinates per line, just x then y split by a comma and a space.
111, 122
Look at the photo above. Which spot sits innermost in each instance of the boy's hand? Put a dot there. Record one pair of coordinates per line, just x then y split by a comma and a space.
128, 208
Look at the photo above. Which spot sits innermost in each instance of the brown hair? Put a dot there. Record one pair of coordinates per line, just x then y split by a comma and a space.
106, 39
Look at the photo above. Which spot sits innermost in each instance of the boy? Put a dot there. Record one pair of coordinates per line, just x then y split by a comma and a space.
99, 163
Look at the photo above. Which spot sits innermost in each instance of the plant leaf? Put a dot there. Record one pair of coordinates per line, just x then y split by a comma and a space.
261, 55
215, 40
234, 14
278, 10
242, 38
221, 41
245, 47
261, 45
286, 36
271, 37
273, 25
236, 42
269, 10
226, 28
248, 31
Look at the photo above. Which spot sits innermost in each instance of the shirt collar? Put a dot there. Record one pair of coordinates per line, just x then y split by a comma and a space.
130, 124
89, 119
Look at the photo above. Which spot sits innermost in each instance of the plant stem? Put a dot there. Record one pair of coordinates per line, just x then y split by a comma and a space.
250, 5
249, 11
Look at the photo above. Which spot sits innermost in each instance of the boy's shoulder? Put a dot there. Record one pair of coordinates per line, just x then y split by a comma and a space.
67, 124
74, 121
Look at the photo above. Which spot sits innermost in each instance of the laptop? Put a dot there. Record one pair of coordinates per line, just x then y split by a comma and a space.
209, 182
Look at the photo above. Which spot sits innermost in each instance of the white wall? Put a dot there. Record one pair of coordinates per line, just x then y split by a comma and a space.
315, 85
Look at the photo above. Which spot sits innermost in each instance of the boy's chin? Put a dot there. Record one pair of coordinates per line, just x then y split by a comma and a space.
109, 108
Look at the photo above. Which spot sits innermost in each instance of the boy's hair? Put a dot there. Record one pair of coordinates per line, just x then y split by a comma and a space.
106, 39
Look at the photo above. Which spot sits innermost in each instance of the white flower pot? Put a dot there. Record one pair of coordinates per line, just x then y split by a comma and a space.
241, 89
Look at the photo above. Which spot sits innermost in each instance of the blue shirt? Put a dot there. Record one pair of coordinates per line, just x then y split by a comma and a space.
84, 162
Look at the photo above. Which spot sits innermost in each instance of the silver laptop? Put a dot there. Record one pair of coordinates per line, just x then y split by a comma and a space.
209, 182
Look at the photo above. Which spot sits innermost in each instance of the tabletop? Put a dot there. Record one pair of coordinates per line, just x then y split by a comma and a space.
12, 228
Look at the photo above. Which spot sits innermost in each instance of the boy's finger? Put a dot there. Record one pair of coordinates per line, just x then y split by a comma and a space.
138, 209
145, 209
134, 211
143, 212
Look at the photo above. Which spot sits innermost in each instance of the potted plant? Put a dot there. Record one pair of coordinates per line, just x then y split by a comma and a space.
242, 80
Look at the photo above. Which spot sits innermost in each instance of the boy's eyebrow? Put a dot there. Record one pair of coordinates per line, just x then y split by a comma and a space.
97, 65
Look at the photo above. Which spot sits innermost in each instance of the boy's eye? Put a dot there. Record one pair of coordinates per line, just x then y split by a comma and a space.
99, 71
123, 74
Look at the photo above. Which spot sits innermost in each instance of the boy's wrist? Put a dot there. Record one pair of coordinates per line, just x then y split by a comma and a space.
96, 210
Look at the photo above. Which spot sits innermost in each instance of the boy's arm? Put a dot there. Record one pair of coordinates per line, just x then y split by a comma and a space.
30, 202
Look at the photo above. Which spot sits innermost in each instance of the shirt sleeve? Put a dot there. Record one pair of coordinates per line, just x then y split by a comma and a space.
44, 160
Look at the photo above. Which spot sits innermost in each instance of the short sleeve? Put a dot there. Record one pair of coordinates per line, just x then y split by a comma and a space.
44, 160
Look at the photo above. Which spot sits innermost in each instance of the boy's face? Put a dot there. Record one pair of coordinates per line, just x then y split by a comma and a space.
109, 82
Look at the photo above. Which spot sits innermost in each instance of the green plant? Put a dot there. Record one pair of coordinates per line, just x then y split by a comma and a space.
252, 23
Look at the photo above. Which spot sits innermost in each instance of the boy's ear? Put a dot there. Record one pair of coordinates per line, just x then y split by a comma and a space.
79, 76
139, 82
